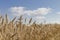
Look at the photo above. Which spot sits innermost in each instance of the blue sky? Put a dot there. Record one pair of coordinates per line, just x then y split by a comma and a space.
48, 10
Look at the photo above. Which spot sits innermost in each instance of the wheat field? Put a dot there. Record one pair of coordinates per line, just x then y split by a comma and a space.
16, 30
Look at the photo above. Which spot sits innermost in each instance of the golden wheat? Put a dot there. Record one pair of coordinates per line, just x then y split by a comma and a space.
16, 30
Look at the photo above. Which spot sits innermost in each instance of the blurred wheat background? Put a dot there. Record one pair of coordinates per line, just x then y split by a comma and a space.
16, 30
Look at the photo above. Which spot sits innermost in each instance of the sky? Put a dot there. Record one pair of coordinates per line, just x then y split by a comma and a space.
39, 10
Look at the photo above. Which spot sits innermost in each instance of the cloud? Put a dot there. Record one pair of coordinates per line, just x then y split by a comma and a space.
22, 10
17, 10
42, 11
58, 12
39, 17
36, 14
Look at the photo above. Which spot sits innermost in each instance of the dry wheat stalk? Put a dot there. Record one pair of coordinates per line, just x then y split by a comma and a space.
20, 31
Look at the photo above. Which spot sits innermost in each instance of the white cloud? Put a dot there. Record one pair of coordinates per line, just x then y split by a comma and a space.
17, 10
40, 17
21, 11
37, 14
42, 11
58, 12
